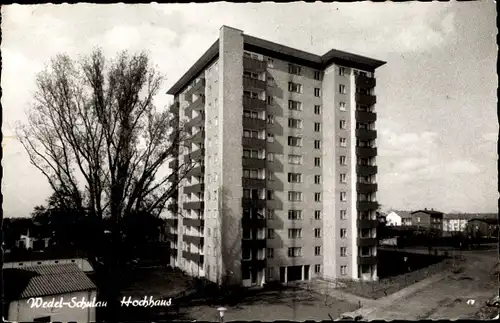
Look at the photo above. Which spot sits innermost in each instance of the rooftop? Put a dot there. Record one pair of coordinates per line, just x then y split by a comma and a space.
276, 50
47, 254
37, 281
430, 212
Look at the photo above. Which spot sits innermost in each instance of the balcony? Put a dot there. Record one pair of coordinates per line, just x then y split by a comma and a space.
364, 116
254, 223
366, 151
173, 164
253, 243
367, 242
197, 138
197, 258
253, 84
254, 143
174, 108
198, 87
196, 171
197, 105
253, 163
254, 124
367, 206
254, 263
254, 65
198, 154
253, 182
365, 99
196, 188
366, 188
367, 260
365, 134
366, 170
199, 205
193, 222
248, 203
365, 82
192, 239
254, 104
198, 121
171, 236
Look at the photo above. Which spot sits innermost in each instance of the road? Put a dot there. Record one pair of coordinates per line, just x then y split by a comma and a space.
447, 298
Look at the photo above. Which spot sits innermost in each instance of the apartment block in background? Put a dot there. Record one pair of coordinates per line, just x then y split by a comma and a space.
284, 186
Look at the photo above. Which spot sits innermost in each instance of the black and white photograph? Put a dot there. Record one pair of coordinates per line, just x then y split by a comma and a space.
224, 162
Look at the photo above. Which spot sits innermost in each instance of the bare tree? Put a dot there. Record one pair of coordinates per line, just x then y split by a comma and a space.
95, 134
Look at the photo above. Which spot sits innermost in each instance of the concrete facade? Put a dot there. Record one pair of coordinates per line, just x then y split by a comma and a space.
286, 190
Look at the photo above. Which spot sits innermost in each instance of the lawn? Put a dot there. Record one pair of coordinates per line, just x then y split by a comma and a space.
287, 303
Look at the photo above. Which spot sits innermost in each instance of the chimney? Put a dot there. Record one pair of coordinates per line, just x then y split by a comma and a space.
425, 209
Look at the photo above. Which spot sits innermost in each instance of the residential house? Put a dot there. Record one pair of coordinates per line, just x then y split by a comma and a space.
397, 218
29, 242
484, 227
59, 282
430, 219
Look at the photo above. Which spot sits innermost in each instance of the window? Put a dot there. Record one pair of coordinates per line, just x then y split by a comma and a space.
343, 160
270, 79
270, 157
294, 252
317, 75
343, 178
294, 215
317, 127
343, 251
317, 179
246, 253
270, 100
42, 319
317, 233
317, 197
342, 89
317, 215
317, 109
342, 71
342, 106
294, 196
270, 214
270, 253
343, 270
294, 178
269, 274
317, 251
343, 142
316, 92
294, 87
295, 159
294, 105
343, 196
270, 137
342, 124
247, 233
317, 269
270, 195
293, 69
294, 141
270, 176
250, 94
317, 144
294, 233
270, 62
343, 233
343, 214
251, 75
270, 233
317, 161
294, 123
270, 119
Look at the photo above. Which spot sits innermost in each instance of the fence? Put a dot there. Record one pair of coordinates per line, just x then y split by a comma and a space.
387, 286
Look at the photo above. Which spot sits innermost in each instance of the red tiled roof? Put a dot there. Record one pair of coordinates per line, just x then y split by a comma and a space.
37, 281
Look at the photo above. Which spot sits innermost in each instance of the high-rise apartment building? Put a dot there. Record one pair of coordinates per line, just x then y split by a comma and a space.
284, 185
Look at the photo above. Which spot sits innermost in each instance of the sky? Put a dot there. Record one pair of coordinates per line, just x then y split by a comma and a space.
436, 96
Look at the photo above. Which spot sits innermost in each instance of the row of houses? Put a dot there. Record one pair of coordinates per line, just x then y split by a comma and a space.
485, 224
